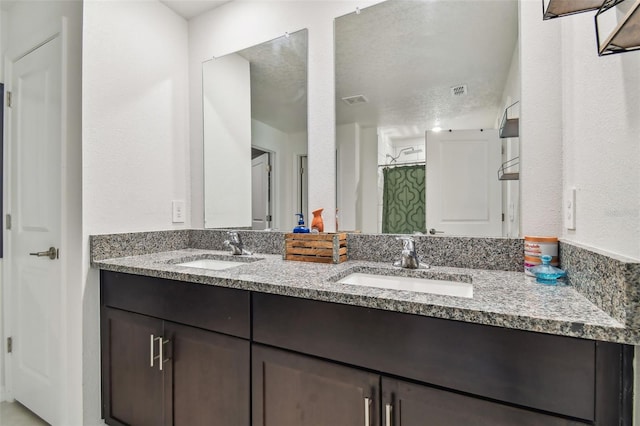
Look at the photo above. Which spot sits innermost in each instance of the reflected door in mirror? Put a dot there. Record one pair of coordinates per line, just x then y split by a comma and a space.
463, 191
260, 176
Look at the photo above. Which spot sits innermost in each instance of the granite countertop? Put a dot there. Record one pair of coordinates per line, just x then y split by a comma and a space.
504, 299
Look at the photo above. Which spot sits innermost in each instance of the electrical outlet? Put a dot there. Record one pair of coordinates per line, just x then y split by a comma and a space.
570, 209
178, 211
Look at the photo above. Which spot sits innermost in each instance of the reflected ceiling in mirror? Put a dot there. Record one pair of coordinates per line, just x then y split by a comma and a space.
279, 82
255, 135
406, 58
415, 66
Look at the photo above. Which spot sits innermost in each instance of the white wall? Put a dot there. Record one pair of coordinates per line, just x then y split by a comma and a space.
286, 149
299, 140
601, 140
511, 146
357, 171
238, 25
367, 206
579, 129
417, 143
136, 139
385, 147
541, 122
348, 171
136, 114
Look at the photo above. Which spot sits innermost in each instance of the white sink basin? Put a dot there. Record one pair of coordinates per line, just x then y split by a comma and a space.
215, 264
420, 285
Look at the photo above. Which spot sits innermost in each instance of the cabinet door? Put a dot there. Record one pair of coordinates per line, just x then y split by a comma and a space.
408, 404
207, 381
294, 390
132, 391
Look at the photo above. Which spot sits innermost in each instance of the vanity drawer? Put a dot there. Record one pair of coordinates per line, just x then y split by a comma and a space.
212, 308
540, 371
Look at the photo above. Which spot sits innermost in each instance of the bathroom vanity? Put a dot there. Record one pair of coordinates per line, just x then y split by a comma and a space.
277, 343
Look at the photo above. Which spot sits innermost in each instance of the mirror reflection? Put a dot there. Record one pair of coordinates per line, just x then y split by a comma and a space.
255, 135
421, 91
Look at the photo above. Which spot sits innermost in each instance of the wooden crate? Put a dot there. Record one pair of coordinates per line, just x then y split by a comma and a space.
319, 248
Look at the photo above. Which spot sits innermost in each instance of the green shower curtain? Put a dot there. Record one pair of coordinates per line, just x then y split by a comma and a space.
403, 200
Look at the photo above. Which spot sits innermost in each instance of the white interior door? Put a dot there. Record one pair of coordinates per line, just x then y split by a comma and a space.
463, 191
35, 285
260, 192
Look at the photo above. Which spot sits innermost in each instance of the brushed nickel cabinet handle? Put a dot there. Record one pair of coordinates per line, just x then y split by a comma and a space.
388, 409
367, 412
161, 344
152, 351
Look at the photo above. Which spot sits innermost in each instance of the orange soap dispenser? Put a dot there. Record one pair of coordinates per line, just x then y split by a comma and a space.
317, 222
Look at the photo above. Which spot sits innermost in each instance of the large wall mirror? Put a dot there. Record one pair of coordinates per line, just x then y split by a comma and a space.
421, 91
255, 135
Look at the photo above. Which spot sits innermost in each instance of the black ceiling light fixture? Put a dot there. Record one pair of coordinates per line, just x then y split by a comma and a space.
557, 8
618, 27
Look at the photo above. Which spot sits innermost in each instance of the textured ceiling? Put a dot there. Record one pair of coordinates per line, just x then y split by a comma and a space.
405, 56
279, 81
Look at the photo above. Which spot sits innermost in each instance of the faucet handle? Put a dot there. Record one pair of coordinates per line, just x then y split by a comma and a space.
235, 243
408, 243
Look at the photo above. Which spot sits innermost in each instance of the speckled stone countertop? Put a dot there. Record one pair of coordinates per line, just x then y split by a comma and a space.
500, 298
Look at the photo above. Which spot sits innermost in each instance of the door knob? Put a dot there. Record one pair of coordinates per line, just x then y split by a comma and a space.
52, 253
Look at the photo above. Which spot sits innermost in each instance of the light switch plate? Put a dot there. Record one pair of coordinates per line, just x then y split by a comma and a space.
570, 209
178, 211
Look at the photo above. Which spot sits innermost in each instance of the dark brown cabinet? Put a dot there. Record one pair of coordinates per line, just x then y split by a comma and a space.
204, 379
409, 404
158, 372
132, 391
209, 377
463, 374
294, 390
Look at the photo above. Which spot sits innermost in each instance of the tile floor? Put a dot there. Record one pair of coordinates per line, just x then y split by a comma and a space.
16, 414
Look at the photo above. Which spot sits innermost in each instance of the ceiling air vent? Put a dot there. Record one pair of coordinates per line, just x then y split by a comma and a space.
357, 99
460, 90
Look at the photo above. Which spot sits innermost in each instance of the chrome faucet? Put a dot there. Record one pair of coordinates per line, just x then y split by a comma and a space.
235, 244
409, 257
